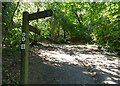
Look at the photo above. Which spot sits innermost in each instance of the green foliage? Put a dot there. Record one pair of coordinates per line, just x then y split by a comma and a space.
80, 22
34, 37
60, 40
9, 80
7, 11
86, 21
106, 31
13, 38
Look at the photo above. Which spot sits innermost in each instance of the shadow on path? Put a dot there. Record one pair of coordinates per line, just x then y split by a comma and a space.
46, 72
72, 64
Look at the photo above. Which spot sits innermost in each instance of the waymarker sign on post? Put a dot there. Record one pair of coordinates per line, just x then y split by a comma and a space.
25, 40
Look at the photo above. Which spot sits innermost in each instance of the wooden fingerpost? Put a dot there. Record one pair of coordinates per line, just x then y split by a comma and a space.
25, 40
25, 49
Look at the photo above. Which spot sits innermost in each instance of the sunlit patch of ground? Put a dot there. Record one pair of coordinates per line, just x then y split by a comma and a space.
102, 67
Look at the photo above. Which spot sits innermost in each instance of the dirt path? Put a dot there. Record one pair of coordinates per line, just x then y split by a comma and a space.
72, 64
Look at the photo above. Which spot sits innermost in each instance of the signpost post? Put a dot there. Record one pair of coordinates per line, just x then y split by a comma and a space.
25, 49
25, 41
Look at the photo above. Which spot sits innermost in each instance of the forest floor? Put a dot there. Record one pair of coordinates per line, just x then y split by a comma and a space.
65, 64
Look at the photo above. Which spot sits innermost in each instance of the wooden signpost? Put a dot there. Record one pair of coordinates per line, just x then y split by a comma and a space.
34, 29
25, 41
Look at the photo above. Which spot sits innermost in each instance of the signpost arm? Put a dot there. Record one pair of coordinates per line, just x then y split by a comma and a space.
25, 49
43, 14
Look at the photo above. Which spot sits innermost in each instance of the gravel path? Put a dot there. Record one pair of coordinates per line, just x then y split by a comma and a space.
72, 64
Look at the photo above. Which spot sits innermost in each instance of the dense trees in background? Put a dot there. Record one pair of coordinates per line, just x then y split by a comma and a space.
81, 22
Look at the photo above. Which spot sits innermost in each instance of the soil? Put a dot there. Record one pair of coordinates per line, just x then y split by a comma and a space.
63, 64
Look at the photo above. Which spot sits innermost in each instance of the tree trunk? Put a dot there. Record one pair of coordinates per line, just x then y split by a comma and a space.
76, 16
11, 19
64, 34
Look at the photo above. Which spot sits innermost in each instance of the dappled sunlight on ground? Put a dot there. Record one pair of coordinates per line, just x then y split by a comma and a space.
58, 56
97, 64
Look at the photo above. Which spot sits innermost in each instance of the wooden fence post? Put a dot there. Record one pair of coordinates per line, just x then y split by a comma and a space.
25, 49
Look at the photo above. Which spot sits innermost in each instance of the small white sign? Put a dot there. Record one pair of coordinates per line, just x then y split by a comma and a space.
22, 46
23, 39
23, 34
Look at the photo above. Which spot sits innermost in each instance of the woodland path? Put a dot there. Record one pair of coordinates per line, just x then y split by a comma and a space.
72, 64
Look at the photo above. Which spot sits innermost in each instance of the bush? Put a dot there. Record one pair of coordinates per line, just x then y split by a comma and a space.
60, 40
12, 38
